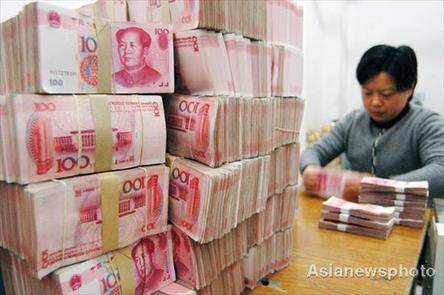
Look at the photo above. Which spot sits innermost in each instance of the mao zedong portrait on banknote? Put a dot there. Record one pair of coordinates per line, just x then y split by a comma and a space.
133, 46
145, 258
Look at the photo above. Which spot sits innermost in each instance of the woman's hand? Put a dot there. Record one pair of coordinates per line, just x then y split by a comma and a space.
311, 179
352, 186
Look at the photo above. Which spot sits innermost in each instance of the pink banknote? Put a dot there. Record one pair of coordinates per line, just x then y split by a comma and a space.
152, 269
184, 257
142, 58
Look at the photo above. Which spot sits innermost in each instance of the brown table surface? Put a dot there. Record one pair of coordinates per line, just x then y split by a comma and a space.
322, 247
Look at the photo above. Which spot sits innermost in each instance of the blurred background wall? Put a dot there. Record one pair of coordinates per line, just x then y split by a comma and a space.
337, 33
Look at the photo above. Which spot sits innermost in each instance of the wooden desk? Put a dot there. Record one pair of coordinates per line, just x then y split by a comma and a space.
321, 247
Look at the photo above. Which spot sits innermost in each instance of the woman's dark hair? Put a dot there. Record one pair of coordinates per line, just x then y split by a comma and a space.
399, 62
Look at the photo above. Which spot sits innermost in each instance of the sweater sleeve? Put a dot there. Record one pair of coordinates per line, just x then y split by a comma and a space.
328, 147
431, 152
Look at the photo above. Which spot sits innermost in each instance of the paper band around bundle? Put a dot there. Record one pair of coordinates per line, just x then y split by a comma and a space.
103, 133
343, 217
345, 209
400, 197
342, 227
104, 52
399, 203
286, 130
109, 192
124, 265
400, 187
65, 199
165, 11
170, 159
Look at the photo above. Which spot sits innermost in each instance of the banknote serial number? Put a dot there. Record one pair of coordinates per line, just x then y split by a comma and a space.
62, 73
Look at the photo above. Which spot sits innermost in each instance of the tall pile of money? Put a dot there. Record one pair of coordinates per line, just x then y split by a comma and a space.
84, 188
97, 55
408, 198
233, 131
232, 128
362, 219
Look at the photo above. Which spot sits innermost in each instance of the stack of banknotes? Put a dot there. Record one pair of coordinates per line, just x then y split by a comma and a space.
242, 68
408, 198
278, 215
362, 219
236, 110
53, 136
140, 268
48, 49
270, 256
199, 265
86, 195
278, 21
284, 172
60, 222
207, 203
216, 130
234, 191
230, 281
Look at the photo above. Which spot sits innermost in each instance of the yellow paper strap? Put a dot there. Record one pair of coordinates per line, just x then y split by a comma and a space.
109, 191
165, 15
104, 54
170, 159
124, 264
104, 136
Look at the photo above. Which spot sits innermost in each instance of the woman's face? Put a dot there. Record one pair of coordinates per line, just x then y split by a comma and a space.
381, 99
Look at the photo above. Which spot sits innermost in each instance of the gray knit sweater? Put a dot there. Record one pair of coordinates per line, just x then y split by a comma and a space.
410, 150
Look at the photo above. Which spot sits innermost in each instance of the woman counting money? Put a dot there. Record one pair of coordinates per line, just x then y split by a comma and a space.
389, 137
